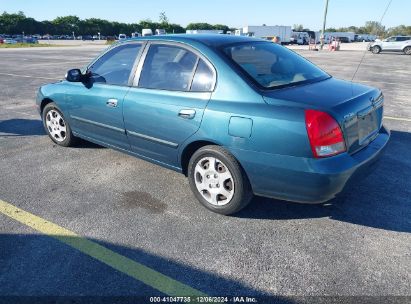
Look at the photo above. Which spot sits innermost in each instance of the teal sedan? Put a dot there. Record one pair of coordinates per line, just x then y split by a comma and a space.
238, 116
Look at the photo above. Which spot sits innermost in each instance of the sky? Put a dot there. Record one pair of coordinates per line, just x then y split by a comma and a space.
236, 13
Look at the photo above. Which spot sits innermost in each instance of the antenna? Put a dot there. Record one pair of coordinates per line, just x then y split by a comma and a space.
373, 29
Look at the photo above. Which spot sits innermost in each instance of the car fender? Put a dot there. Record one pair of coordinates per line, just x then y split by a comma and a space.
56, 92
407, 44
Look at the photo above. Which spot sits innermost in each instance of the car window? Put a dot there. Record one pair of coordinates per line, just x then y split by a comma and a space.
391, 39
114, 67
168, 67
272, 65
203, 80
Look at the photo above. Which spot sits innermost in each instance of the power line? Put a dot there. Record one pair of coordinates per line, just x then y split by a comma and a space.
365, 52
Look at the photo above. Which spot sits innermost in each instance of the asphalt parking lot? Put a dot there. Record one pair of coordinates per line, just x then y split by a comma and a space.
356, 245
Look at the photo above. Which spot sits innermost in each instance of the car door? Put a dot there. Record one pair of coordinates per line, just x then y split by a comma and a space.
165, 106
96, 106
401, 42
389, 44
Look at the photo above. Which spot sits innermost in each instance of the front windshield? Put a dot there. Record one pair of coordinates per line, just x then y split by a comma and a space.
272, 65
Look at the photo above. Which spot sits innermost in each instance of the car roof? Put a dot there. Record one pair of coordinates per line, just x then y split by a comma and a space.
211, 40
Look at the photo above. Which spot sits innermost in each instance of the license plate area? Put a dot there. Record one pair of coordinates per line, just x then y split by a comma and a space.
367, 126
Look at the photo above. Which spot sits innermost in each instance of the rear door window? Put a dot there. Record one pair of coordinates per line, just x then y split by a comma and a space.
168, 67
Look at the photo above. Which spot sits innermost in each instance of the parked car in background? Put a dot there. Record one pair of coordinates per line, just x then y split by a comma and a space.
343, 39
10, 41
122, 37
238, 116
392, 44
87, 37
30, 40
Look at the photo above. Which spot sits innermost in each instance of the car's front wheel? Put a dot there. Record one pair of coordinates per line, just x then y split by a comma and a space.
376, 49
56, 126
218, 181
407, 50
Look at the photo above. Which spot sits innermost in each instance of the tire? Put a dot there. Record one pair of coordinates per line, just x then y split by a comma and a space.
218, 181
407, 50
376, 49
56, 126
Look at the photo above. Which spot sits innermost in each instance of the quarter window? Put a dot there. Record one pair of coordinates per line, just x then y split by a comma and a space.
203, 80
168, 67
115, 66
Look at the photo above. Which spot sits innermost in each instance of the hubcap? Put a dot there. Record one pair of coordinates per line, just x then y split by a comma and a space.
214, 181
56, 125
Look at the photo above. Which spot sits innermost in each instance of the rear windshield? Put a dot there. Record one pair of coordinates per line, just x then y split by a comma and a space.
272, 65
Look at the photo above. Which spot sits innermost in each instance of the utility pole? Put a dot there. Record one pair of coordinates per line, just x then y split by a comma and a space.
324, 23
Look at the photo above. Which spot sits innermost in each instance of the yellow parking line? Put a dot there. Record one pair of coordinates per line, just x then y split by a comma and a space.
397, 118
121, 263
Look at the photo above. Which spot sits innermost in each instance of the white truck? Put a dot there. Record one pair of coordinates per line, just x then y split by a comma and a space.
267, 32
146, 32
161, 32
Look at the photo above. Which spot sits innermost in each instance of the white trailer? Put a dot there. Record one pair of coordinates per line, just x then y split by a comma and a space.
267, 32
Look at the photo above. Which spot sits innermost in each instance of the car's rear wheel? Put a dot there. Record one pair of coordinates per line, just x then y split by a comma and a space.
407, 50
376, 49
56, 126
218, 181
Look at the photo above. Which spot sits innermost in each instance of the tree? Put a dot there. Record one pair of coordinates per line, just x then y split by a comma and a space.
199, 26
298, 28
374, 28
66, 25
221, 27
399, 30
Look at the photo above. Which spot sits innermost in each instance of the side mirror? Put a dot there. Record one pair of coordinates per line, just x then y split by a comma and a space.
74, 75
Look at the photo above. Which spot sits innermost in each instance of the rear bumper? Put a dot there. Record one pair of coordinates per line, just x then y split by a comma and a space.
309, 180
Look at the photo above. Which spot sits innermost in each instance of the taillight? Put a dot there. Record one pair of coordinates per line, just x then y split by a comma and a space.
324, 133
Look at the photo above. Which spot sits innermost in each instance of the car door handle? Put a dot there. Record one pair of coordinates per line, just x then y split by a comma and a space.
187, 114
112, 103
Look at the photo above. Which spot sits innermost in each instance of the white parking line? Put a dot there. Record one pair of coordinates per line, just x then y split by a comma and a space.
61, 63
27, 76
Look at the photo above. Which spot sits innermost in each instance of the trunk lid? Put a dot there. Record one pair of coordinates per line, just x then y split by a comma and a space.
357, 108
